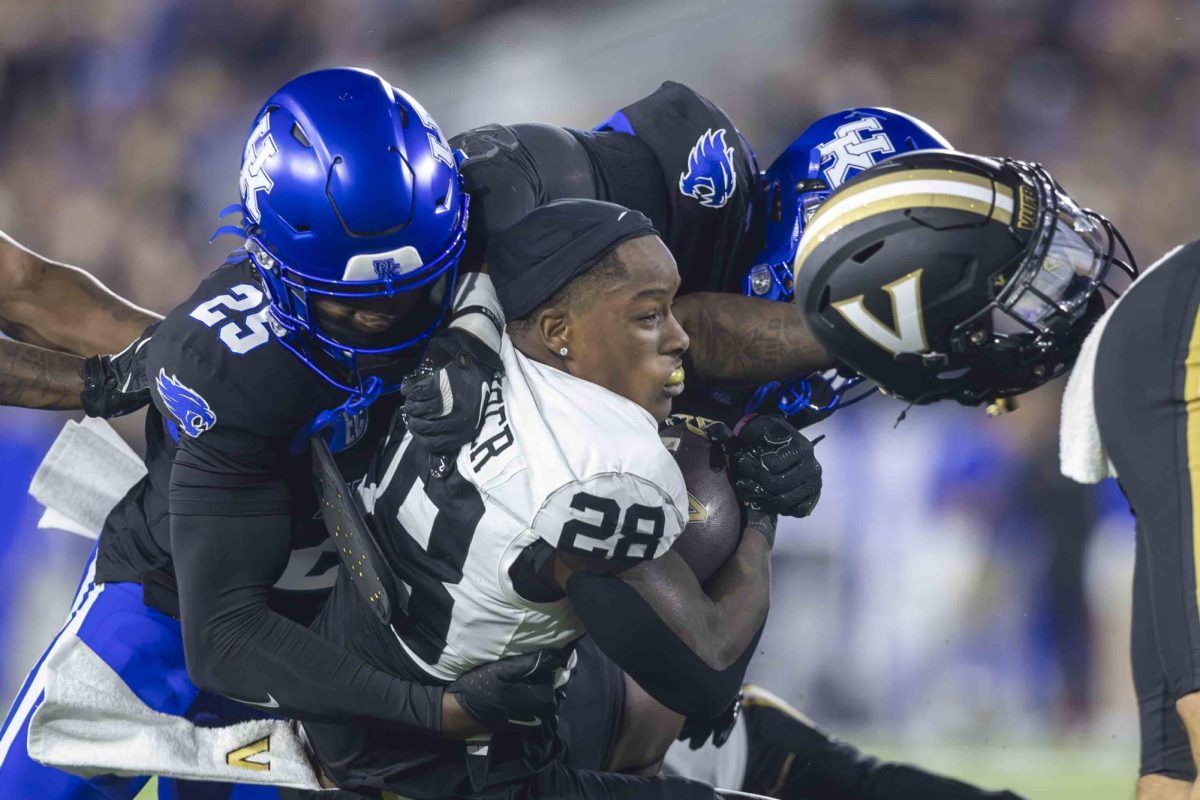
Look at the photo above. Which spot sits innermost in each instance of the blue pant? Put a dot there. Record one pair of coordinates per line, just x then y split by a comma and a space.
144, 647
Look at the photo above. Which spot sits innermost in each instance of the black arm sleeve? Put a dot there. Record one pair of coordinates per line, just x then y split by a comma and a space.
233, 642
629, 631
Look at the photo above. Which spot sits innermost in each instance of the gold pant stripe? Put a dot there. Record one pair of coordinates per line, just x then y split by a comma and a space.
1191, 399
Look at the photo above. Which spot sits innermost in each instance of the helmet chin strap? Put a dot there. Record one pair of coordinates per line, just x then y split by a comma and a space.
342, 425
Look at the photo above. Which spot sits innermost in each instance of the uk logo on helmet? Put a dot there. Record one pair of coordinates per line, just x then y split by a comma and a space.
190, 410
386, 268
710, 177
437, 141
254, 178
850, 149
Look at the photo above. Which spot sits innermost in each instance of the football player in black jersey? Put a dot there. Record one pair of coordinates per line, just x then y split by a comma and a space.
208, 571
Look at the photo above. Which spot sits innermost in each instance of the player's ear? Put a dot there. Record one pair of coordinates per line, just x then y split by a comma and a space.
555, 329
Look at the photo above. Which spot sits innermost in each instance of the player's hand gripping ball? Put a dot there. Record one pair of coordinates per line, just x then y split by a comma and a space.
775, 469
443, 396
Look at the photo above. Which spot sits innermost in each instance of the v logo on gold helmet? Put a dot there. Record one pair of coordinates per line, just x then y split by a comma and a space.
941, 275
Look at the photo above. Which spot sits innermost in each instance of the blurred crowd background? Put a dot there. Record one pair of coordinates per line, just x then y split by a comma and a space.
953, 599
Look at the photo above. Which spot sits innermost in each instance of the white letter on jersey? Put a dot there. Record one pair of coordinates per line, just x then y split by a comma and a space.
849, 150
254, 179
909, 334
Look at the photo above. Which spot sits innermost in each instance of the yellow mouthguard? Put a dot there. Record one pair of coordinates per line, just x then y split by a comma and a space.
676, 378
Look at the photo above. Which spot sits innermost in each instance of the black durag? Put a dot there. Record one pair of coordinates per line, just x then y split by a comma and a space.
554, 244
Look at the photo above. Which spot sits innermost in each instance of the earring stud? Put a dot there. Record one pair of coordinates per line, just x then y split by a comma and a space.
562, 351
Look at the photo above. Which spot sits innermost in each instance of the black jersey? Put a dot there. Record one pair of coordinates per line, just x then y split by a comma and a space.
238, 391
227, 514
673, 155
708, 175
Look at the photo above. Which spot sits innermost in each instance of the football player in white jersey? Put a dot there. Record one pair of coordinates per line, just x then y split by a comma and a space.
557, 521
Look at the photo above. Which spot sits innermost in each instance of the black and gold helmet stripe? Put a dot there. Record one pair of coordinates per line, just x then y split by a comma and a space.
893, 191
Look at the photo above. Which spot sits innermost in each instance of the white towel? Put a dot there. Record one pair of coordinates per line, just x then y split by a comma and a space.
1081, 455
91, 723
86, 472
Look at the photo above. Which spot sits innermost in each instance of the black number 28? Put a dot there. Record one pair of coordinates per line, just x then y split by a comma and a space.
589, 538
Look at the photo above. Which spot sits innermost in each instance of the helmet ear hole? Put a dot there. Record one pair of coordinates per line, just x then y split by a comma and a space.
299, 135
862, 255
823, 302
444, 203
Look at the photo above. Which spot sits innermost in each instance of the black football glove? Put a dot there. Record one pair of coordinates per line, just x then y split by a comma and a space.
698, 731
514, 693
774, 468
443, 396
117, 385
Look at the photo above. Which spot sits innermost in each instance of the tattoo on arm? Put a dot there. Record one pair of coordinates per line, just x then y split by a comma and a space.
32, 377
739, 339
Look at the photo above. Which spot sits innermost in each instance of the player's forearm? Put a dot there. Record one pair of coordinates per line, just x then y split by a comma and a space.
62, 307
716, 622
634, 634
740, 596
689, 649
737, 339
237, 646
33, 377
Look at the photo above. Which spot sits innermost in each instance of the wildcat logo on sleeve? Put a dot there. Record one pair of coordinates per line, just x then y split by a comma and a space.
190, 410
710, 177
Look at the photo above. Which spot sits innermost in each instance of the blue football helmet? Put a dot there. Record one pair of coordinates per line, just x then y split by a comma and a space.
830, 152
351, 194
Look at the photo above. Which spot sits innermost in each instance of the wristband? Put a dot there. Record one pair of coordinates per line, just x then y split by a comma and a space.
477, 310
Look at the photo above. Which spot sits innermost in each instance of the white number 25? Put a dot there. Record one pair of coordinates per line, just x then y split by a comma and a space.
239, 335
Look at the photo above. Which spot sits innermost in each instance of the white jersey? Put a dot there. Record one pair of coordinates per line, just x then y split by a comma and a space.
559, 461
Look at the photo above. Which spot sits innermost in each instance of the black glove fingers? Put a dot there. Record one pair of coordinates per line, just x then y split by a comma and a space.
776, 482
436, 433
798, 494
421, 407
786, 457
419, 382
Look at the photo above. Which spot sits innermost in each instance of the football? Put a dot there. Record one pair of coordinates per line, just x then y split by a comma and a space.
714, 525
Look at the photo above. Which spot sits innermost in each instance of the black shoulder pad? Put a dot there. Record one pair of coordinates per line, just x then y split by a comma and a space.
710, 175
502, 181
